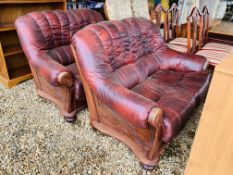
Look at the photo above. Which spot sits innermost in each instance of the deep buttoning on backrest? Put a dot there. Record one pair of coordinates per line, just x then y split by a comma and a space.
123, 51
53, 30
57, 27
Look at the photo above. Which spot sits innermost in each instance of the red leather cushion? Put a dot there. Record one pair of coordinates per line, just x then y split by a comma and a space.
62, 55
177, 94
130, 69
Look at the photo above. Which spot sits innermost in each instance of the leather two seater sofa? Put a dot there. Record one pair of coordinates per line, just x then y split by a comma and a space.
45, 38
138, 90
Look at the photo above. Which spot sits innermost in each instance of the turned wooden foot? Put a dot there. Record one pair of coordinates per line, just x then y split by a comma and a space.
149, 167
70, 119
93, 127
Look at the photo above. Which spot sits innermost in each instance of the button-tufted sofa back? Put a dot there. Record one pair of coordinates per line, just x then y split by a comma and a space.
51, 32
116, 50
138, 90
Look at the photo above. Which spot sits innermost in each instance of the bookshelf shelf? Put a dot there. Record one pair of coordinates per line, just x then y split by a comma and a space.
14, 67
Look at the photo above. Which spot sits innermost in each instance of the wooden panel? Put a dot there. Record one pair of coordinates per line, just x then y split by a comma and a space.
19, 71
6, 27
15, 61
11, 39
15, 10
28, 1
13, 82
3, 67
224, 28
14, 67
12, 50
212, 152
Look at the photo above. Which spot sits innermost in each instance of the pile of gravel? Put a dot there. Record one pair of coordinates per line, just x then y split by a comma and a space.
34, 139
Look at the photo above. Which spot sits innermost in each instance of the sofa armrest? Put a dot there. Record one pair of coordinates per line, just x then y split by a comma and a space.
155, 117
52, 71
185, 62
133, 107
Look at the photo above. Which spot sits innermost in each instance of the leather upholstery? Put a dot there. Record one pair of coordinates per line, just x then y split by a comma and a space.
78, 84
130, 69
46, 41
46, 37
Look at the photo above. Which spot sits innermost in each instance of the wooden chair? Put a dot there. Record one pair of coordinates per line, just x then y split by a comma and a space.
189, 43
172, 16
213, 50
156, 17
171, 28
170, 21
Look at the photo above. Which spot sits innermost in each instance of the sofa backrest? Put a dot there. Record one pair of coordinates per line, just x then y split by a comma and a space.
119, 50
52, 31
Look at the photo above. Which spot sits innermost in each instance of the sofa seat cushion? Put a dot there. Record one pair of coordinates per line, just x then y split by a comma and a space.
62, 55
79, 91
215, 52
177, 94
180, 44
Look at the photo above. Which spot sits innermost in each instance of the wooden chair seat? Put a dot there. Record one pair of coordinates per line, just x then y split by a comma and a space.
218, 47
215, 52
180, 44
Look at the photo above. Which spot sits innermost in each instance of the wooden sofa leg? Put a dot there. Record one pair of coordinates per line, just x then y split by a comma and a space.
70, 119
155, 121
149, 167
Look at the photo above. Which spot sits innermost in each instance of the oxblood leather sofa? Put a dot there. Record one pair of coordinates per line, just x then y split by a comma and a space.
45, 38
138, 90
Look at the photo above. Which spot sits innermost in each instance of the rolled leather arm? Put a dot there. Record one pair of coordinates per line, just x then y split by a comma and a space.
185, 62
52, 71
133, 107
155, 117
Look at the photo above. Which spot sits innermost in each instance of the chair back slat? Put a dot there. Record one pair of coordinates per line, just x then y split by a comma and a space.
157, 14
170, 21
173, 23
194, 21
197, 25
205, 13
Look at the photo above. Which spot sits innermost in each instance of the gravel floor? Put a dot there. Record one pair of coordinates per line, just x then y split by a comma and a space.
34, 139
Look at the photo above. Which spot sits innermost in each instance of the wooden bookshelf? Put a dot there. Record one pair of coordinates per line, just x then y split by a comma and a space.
6, 27
12, 50
14, 67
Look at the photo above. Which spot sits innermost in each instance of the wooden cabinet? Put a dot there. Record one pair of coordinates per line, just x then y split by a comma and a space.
212, 150
14, 67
